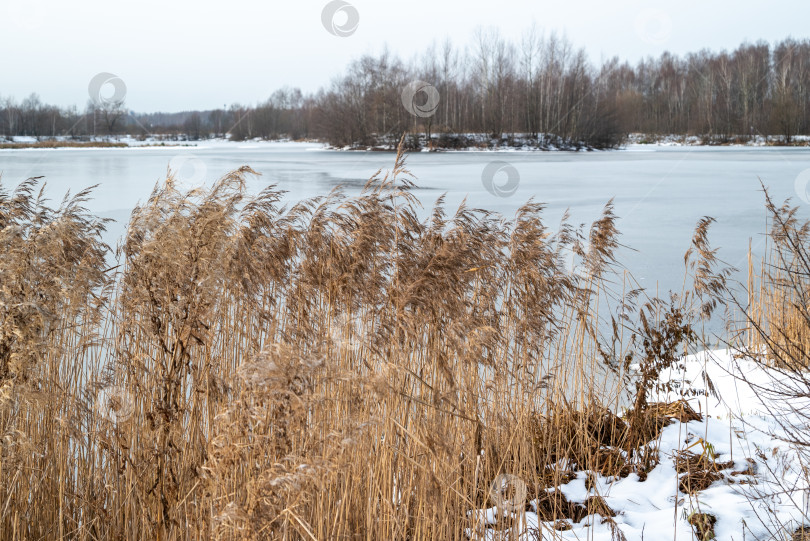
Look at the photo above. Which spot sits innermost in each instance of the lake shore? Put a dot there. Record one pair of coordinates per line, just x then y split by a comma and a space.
439, 143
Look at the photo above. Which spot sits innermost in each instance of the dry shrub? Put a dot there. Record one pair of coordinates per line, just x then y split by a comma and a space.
664, 335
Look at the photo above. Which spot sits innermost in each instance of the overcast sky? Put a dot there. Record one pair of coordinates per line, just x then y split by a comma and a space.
177, 55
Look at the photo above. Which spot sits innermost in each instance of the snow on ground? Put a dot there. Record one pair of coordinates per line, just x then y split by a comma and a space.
636, 141
506, 143
762, 495
165, 142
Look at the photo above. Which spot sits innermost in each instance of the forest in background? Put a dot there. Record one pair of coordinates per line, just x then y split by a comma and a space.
540, 90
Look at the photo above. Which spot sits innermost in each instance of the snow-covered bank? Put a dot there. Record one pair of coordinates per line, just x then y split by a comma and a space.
757, 482
151, 142
476, 142
636, 140
439, 143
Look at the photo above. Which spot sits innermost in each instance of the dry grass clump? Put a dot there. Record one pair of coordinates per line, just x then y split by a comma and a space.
338, 368
802, 533
687, 461
52, 261
699, 470
553, 506
51, 288
703, 524
679, 410
698, 481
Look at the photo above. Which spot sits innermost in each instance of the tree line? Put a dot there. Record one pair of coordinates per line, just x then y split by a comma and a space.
538, 90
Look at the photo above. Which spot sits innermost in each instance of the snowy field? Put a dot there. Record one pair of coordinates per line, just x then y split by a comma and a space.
761, 486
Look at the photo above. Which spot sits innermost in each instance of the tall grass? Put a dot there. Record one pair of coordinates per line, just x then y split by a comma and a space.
776, 317
774, 326
338, 368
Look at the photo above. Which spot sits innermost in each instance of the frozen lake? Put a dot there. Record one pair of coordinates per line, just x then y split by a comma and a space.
659, 192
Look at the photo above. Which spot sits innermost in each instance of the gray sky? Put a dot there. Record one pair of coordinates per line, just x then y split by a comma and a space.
181, 54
